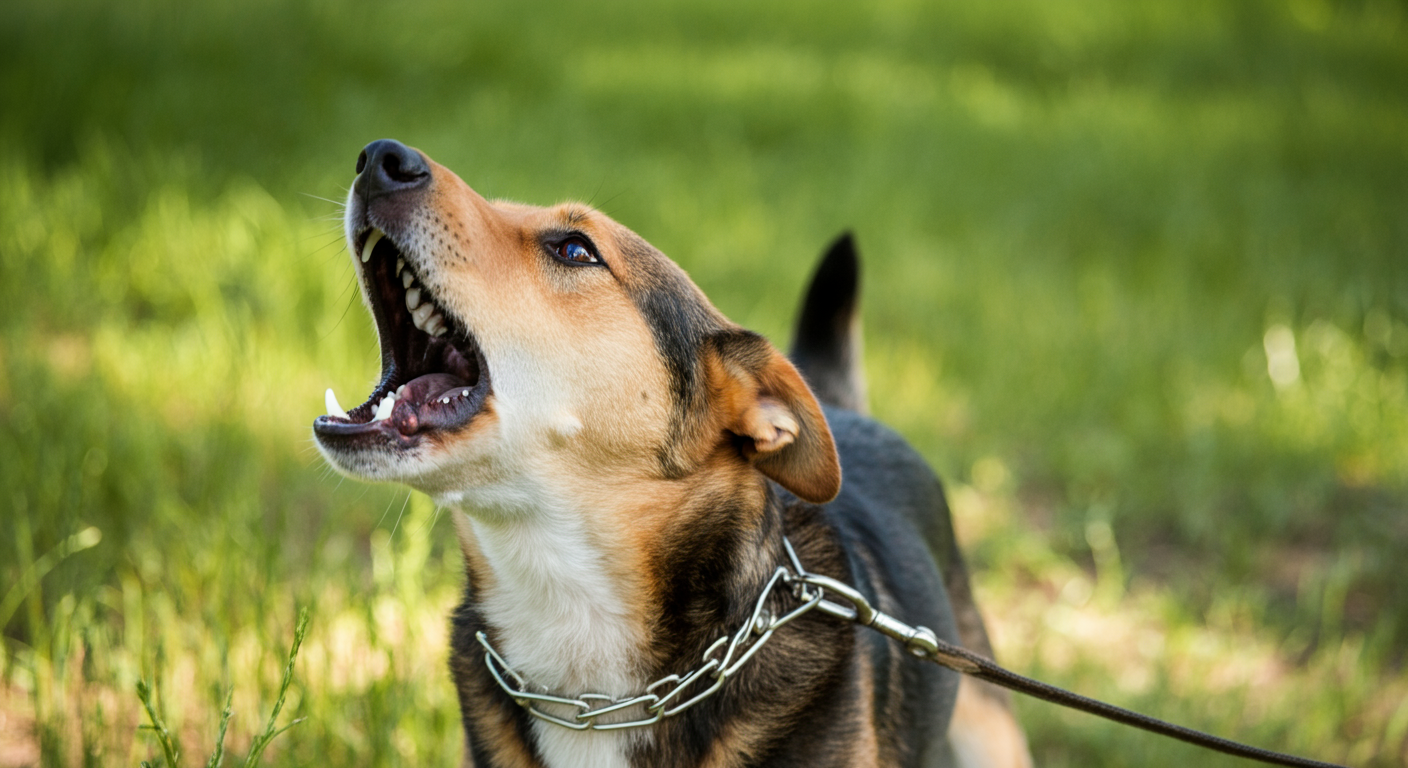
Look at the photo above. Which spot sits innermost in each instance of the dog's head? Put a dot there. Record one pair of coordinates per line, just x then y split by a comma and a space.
530, 351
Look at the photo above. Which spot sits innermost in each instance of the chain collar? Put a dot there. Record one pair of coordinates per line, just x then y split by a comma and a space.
660, 697
671, 695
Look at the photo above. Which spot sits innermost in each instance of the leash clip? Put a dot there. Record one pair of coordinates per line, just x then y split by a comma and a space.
919, 641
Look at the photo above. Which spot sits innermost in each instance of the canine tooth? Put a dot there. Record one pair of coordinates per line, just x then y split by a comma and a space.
401, 390
406, 279
412, 298
422, 313
330, 400
400, 262
372, 240
383, 408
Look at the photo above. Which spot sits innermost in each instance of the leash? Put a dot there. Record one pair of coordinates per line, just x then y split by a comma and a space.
666, 697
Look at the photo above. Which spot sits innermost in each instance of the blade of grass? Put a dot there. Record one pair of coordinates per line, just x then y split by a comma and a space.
158, 726
270, 729
84, 539
219, 754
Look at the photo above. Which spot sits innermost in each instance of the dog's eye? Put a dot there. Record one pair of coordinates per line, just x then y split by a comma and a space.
576, 251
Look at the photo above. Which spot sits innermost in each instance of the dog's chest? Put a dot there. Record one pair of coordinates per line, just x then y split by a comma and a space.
564, 625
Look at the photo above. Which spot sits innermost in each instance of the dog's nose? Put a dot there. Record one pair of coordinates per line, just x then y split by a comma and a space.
386, 166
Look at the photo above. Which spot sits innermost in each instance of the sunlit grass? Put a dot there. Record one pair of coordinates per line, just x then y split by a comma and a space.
1135, 284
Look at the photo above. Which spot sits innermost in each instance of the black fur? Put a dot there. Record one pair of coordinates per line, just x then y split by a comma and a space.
826, 345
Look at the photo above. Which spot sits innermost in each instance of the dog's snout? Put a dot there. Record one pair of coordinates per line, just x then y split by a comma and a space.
386, 166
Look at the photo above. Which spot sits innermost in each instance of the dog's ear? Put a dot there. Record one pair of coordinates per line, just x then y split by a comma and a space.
772, 415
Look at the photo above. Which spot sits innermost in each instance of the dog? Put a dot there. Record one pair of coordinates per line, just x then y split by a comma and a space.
627, 469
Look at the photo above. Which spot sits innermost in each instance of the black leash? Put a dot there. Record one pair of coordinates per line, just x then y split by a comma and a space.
949, 655
922, 642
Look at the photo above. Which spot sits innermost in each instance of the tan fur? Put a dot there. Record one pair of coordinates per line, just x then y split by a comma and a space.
867, 745
739, 740
893, 696
481, 576
761, 396
984, 733
508, 751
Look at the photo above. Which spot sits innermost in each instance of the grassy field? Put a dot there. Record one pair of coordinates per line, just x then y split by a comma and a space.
1137, 285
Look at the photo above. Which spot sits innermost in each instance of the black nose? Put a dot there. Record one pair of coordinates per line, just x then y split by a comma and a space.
386, 166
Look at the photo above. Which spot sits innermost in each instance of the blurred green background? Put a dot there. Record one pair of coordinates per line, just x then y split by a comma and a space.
1135, 284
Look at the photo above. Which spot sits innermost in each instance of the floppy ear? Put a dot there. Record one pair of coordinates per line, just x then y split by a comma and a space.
767, 406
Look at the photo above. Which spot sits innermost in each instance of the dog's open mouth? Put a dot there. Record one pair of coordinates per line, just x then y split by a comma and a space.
433, 374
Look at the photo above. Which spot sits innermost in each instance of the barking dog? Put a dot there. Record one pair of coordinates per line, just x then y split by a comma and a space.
625, 463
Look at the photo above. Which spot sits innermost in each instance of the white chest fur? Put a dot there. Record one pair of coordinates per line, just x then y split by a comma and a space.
563, 623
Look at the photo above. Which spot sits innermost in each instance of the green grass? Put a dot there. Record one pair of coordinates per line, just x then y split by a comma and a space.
1092, 232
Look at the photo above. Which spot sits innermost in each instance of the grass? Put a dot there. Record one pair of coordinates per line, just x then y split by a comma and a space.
171, 751
1135, 285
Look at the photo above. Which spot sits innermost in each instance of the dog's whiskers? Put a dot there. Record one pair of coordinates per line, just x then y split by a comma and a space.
399, 515
342, 204
350, 301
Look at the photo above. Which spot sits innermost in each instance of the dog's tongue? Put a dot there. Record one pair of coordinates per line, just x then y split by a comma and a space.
432, 400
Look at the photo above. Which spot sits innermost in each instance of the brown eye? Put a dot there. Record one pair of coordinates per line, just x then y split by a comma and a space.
577, 252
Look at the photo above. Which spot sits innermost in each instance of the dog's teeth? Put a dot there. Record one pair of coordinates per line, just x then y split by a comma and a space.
407, 278
372, 239
412, 299
440, 331
330, 400
400, 262
383, 408
422, 313
466, 393
434, 323
401, 390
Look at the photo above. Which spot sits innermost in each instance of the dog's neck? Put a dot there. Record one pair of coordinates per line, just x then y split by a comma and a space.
599, 600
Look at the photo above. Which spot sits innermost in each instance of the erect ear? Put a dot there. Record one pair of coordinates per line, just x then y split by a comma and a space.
764, 402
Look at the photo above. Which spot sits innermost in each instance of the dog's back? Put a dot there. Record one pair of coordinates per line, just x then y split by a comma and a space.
888, 489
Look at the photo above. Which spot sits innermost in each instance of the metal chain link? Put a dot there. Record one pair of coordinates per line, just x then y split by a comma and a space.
660, 697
